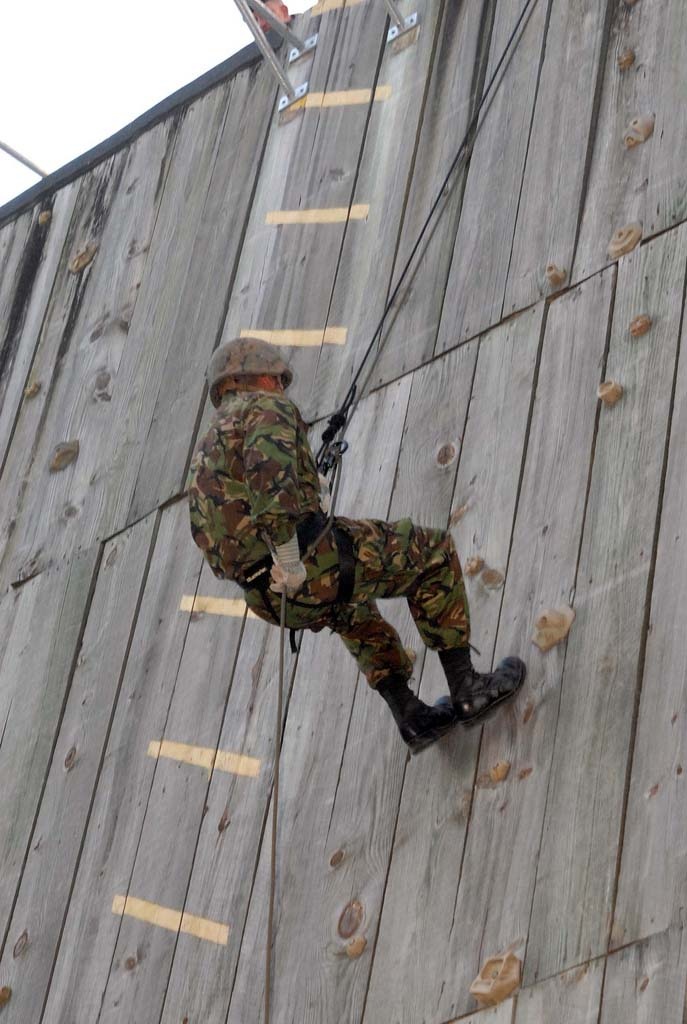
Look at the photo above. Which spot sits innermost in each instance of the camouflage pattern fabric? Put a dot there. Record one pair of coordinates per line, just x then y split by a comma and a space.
253, 476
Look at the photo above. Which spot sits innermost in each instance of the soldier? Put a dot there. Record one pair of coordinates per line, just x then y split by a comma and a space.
255, 503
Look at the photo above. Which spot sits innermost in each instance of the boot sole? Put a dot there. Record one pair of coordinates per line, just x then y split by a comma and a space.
422, 743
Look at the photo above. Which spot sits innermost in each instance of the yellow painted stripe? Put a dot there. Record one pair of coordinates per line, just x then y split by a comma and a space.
333, 5
327, 215
172, 920
345, 97
330, 336
206, 757
231, 606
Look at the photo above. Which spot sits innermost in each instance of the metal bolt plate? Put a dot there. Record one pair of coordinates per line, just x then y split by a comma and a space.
408, 23
309, 45
285, 102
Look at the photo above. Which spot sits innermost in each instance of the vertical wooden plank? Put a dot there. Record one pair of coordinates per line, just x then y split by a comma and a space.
646, 982
412, 327
552, 185
47, 876
90, 931
79, 362
481, 256
432, 822
174, 813
571, 998
312, 973
572, 908
30, 275
654, 857
363, 275
647, 183
286, 273
35, 667
506, 818
189, 330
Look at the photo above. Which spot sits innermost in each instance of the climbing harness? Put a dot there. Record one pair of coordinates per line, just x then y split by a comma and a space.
332, 450
341, 418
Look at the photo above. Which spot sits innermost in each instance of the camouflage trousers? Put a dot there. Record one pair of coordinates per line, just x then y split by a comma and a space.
397, 559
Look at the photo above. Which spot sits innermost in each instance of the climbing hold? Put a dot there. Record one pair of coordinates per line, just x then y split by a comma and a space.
44, 217
63, 455
626, 59
624, 240
555, 276
552, 626
492, 579
610, 392
21, 945
498, 979
356, 947
82, 259
638, 131
32, 389
474, 566
351, 919
5, 995
499, 771
640, 325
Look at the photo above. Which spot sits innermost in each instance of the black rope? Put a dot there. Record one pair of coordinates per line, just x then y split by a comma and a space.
339, 419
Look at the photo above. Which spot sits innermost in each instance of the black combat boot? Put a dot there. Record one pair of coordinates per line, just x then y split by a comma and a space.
419, 724
475, 695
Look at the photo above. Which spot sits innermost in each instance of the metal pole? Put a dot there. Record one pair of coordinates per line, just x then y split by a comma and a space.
394, 14
265, 48
23, 160
274, 22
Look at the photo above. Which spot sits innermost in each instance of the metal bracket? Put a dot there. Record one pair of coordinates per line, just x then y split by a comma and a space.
287, 101
308, 47
408, 25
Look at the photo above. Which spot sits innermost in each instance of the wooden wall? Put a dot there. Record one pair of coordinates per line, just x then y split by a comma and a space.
137, 713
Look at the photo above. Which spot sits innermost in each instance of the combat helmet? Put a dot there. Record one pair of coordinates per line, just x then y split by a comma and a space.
245, 357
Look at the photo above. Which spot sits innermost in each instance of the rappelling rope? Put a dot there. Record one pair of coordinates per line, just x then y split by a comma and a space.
342, 417
329, 459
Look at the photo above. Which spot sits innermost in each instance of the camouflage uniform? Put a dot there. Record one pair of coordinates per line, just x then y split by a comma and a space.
253, 474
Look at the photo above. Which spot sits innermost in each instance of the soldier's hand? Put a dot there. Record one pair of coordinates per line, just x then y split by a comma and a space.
292, 576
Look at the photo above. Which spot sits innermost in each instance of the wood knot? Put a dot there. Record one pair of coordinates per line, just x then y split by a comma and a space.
525, 773
643, 985
640, 325
351, 918
336, 858
224, 821
529, 711
626, 59
492, 579
63, 455
356, 947
102, 392
474, 566
446, 454
130, 963
457, 514
500, 771
70, 759
21, 945
5, 995
82, 259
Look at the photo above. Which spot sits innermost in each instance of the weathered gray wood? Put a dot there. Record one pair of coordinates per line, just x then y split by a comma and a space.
571, 998
35, 668
312, 973
286, 273
647, 183
572, 908
646, 982
494, 899
413, 324
33, 264
80, 362
188, 326
126, 779
367, 258
175, 808
653, 869
47, 876
502, 1014
432, 823
548, 214
481, 256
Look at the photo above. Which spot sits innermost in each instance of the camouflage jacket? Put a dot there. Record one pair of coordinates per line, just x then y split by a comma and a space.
252, 475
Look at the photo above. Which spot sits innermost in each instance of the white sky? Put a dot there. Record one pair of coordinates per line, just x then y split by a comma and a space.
73, 73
